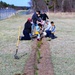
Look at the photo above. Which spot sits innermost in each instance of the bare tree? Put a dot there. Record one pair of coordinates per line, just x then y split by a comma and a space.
38, 5
62, 5
54, 5
66, 5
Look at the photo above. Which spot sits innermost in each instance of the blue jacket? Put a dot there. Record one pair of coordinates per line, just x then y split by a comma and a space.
35, 18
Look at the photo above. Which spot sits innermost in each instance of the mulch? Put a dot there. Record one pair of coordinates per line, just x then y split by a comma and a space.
45, 67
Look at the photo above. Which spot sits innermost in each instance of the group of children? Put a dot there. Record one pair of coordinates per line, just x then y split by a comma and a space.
45, 30
38, 27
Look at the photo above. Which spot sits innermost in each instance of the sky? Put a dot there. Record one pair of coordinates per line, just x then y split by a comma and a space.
17, 2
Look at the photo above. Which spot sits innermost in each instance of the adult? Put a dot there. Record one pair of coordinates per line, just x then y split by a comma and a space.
27, 30
35, 18
44, 16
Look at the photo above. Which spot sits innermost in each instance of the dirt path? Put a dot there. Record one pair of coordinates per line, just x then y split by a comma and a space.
45, 66
29, 67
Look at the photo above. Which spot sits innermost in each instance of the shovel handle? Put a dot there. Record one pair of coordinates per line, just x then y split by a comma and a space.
19, 31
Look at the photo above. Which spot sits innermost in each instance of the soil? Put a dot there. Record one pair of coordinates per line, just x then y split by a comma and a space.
29, 67
45, 67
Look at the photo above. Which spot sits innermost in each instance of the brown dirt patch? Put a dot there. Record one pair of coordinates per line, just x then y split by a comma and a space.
29, 67
45, 66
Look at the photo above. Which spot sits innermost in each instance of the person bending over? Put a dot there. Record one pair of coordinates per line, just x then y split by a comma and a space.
35, 18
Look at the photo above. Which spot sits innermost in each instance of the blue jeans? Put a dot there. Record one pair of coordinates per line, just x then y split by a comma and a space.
33, 26
48, 33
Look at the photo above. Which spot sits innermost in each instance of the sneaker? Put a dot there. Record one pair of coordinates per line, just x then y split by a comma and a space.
38, 39
54, 37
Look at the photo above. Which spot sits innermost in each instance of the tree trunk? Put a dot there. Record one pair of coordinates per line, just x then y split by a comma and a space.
55, 5
66, 5
62, 5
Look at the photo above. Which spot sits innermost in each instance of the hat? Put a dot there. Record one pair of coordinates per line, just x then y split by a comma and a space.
29, 19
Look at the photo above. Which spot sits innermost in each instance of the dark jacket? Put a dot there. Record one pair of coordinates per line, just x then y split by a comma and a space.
27, 27
35, 18
44, 17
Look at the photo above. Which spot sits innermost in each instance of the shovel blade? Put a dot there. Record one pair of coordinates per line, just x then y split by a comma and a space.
16, 57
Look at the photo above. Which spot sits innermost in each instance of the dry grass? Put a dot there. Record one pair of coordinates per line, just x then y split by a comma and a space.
8, 39
63, 48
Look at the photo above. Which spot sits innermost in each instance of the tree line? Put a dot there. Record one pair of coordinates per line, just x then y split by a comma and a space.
4, 4
53, 5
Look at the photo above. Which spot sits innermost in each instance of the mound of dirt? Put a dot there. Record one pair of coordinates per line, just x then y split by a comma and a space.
45, 67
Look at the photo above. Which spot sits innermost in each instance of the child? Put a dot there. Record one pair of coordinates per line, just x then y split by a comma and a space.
53, 30
48, 29
38, 31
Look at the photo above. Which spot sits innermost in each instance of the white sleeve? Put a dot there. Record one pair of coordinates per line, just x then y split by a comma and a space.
48, 27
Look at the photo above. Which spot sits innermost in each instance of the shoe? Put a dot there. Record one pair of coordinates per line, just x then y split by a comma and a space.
54, 37
38, 39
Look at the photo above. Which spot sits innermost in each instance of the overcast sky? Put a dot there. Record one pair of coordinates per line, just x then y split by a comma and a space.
17, 2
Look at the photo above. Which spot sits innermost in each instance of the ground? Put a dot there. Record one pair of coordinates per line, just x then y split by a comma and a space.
8, 39
42, 65
62, 49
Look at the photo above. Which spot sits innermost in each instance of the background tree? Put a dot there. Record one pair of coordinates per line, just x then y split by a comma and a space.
38, 5
54, 5
4, 4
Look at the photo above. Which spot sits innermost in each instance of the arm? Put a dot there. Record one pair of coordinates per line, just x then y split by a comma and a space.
48, 27
37, 18
47, 16
53, 29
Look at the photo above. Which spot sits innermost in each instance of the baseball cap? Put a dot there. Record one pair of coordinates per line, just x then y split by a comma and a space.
29, 19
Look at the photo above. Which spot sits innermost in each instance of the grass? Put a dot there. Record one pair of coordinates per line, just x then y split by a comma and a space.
63, 48
8, 39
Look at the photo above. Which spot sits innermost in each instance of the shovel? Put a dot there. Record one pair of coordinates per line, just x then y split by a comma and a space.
17, 44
